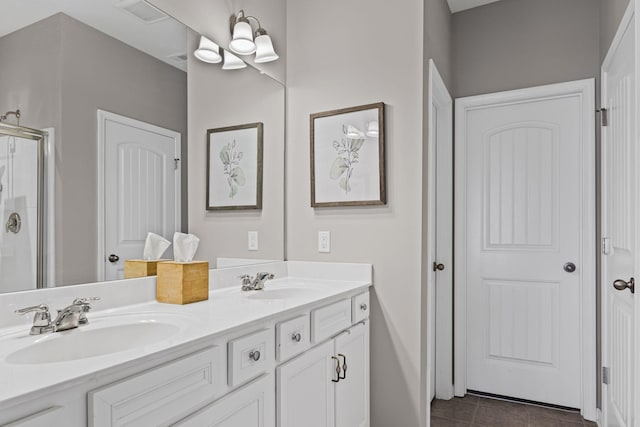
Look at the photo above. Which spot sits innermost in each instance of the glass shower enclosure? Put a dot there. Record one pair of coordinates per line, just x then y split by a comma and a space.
22, 208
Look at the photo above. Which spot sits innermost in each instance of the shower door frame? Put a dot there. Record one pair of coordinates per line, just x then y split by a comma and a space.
40, 137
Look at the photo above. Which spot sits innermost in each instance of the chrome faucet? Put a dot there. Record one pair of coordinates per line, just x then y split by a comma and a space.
68, 318
256, 283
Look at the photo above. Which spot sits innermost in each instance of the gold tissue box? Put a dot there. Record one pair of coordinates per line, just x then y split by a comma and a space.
141, 268
182, 282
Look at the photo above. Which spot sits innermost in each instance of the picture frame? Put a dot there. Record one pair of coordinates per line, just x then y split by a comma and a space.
348, 157
234, 167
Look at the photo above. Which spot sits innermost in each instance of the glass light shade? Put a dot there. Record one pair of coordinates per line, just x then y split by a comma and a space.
232, 62
264, 49
373, 130
208, 51
354, 133
242, 42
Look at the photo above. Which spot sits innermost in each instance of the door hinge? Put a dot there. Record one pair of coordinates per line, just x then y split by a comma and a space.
606, 245
176, 163
604, 116
605, 375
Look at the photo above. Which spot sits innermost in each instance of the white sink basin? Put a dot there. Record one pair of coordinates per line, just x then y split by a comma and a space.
282, 293
98, 340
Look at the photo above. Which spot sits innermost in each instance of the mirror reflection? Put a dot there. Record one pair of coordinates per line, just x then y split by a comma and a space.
95, 143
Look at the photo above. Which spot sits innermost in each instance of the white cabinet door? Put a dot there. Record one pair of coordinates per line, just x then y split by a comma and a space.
49, 417
306, 390
250, 406
352, 391
159, 396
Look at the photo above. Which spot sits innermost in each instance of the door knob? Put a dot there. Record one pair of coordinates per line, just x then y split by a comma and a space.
113, 258
438, 267
621, 285
569, 267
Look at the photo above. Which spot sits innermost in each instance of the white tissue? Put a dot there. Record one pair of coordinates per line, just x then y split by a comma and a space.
184, 247
154, 247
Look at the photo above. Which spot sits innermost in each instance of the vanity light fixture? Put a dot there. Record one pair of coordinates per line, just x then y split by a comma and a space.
373, 129
243, 43
232, 62
208, 51
353, 132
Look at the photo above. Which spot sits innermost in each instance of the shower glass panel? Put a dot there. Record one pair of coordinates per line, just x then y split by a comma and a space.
21, 208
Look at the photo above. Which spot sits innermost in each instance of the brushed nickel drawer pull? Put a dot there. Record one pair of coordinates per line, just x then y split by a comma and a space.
344, 367
338, 369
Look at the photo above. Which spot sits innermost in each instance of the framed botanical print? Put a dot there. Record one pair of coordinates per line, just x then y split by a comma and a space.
234, 167
347, 157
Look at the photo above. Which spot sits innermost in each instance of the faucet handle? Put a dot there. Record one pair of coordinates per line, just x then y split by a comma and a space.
41, 308
41, 320
85, 300
246, 279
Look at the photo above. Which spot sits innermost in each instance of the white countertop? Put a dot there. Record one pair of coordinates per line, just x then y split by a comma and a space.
226, 310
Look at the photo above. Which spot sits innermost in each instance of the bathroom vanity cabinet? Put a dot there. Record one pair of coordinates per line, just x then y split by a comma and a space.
328, 385
304, 367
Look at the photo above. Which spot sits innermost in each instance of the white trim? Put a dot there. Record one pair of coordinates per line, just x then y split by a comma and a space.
438, 95
50, 207
633, 6
103, 116
586, 90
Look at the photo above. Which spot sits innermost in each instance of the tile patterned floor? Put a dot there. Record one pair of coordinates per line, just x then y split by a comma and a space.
479, 411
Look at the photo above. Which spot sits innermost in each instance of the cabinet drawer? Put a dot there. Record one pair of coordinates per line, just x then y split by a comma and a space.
161, 395
249, 356
329, 320
292, 337
360, 307
253, 405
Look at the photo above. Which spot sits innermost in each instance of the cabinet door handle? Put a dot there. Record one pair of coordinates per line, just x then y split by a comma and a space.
338, 369
363, 307
254, 355
296, 337
344, 367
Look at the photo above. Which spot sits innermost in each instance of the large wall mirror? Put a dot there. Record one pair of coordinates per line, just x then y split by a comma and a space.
110, 142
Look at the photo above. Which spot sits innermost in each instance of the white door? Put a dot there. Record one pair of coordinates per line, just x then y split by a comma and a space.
305, 389
139, 188
250, 406
619, 223
352, 391
440, 235
526, 241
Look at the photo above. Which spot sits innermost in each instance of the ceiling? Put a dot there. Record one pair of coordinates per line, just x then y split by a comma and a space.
460, 5
164, 39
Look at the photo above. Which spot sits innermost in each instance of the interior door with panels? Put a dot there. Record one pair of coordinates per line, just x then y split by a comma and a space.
140, 188
524, 248
620, 201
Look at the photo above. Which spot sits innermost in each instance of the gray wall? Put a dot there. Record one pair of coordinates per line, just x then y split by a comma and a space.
611, 12
514, 44
30, 73
220, 98
90, 71
342, 54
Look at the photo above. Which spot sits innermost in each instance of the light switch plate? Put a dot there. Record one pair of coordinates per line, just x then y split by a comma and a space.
324, 241
252, 240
